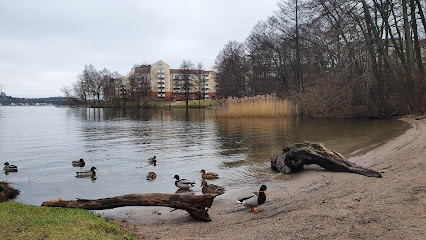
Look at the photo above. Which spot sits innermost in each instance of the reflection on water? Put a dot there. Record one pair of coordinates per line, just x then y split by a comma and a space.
43, 141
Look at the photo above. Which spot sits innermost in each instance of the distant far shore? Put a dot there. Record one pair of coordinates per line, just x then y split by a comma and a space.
12, 101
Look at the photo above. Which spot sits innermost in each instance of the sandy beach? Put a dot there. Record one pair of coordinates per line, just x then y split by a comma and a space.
316, 204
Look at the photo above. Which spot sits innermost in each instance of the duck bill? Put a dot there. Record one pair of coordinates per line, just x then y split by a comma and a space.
266, 192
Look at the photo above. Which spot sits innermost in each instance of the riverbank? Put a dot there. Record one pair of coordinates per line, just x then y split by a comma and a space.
316, 204
22, 221
152, 104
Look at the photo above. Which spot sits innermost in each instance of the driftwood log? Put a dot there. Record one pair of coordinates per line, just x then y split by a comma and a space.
6, 192
295, 156
196, 205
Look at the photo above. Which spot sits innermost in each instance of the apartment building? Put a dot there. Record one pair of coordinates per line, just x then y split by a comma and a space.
166, 83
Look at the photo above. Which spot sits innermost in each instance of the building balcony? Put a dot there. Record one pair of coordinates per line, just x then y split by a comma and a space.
161, 95
161, 90
161, 85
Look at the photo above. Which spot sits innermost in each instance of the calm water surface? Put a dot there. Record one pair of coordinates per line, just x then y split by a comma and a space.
43, 141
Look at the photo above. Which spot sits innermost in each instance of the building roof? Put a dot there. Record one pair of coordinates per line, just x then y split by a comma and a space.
143, 69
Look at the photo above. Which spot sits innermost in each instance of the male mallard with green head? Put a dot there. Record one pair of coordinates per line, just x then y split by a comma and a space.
258, 198
153, 160
208, 175
87, 173
183, 183
10, 168
79, 163
211, 188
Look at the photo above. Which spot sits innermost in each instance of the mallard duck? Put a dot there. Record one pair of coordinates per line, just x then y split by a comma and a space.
10, 168
258, 198
79, 163
153, 160
183, 183
208, 175
87, 173
211, 188
151, 176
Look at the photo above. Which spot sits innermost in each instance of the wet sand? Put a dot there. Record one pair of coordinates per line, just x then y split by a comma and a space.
314, 205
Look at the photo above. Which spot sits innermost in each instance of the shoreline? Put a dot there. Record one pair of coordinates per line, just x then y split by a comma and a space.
317, 204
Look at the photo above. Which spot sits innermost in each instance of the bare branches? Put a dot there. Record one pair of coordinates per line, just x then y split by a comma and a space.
185, 78
92, 85
342, 44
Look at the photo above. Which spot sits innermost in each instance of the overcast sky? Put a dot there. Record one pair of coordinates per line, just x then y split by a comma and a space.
44, 45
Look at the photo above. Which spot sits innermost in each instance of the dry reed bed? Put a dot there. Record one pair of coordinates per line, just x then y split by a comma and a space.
264, 106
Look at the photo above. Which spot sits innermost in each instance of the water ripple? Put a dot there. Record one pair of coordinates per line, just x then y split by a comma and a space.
43, 141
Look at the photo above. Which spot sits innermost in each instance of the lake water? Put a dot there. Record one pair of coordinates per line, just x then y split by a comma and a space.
43, 141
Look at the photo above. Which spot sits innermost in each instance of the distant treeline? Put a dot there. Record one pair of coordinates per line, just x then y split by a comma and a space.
32, 101
334, 58
94, 86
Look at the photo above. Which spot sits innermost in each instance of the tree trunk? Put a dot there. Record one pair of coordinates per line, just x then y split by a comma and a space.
196, 205
408, 40
422, 16
297, 155
371, 27
417, 51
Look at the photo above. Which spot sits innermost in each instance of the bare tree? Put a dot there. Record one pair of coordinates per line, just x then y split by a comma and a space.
92, 78
201, 82
186, 71
140, 87
82, 88
232, 67
69, 94
93, 84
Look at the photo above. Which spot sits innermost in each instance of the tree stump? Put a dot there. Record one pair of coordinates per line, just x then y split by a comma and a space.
295, 156
196, 205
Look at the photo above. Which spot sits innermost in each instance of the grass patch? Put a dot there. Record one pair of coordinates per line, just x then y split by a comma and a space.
195, 103
253, 107
21, 221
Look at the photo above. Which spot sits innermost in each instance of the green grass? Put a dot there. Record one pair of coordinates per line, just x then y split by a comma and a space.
21, 221
194, 103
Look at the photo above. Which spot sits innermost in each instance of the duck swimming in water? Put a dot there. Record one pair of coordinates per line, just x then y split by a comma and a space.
10, 168
87, 173
79, 163
151, 176
208, 175
258, 198
183, 183
153, 160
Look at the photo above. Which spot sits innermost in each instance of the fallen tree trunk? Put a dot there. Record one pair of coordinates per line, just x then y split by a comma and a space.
6, 192
297, 155
196, 205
